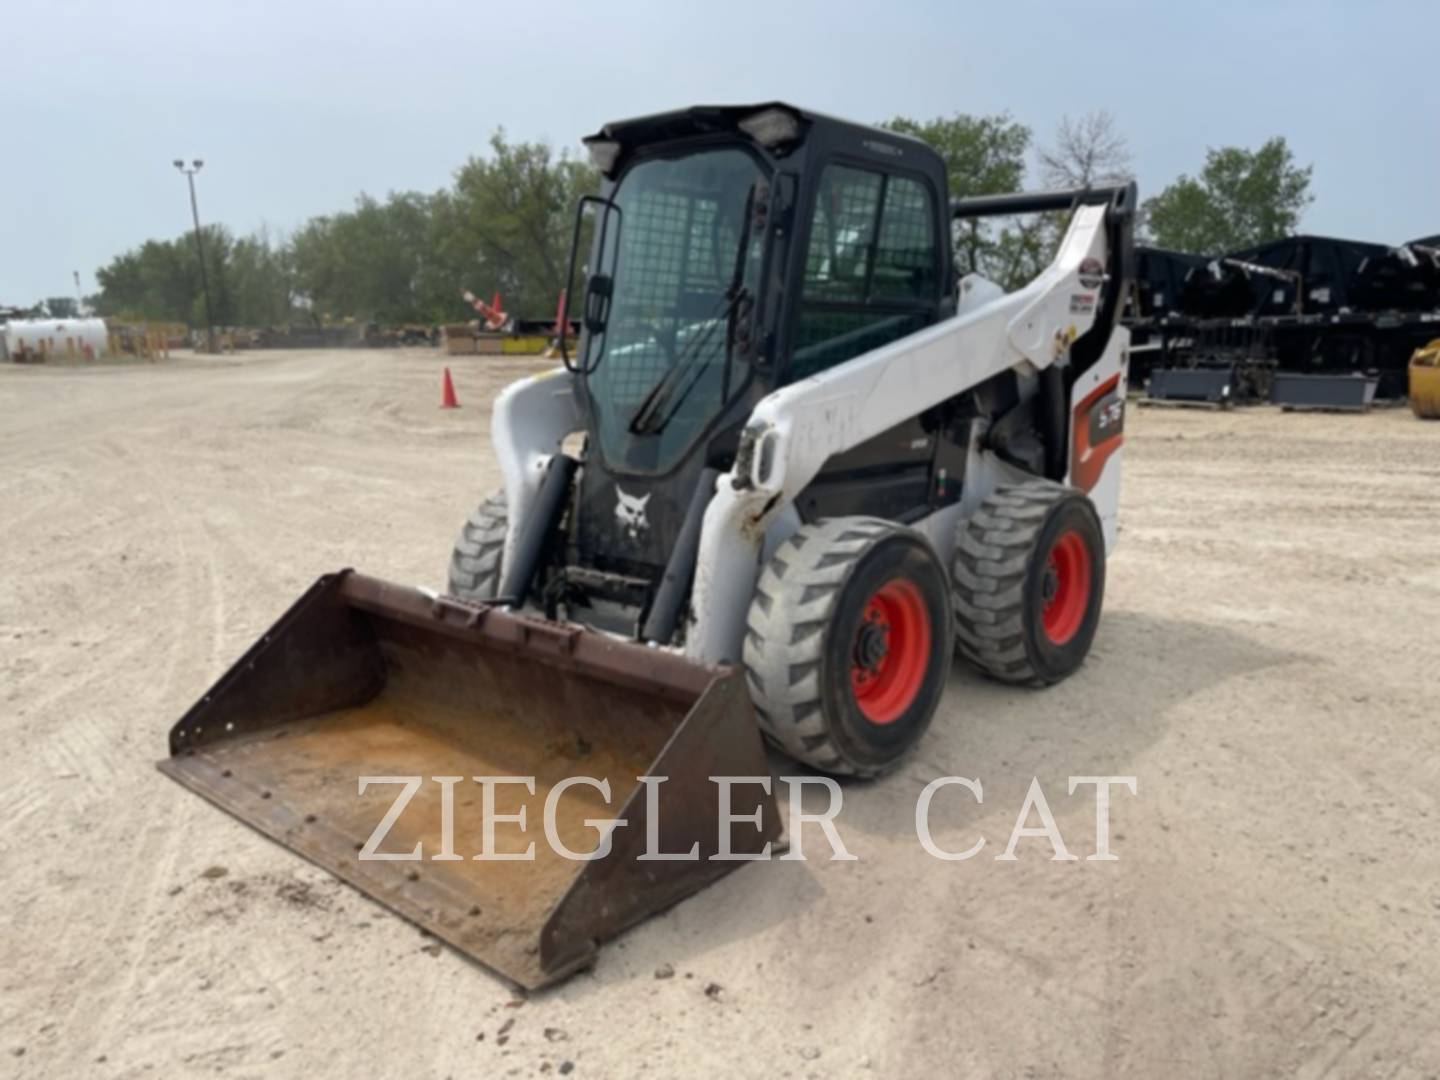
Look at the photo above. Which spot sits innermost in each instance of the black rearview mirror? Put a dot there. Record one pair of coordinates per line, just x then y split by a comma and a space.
600, 285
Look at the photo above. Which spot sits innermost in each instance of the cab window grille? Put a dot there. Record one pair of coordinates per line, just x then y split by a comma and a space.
870, 268
672, 256
905, 251
841, 234
667, 259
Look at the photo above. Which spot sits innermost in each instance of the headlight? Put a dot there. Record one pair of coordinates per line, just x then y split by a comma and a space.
604, 153
771, 127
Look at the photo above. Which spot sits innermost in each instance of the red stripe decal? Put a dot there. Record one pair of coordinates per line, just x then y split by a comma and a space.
1098, 430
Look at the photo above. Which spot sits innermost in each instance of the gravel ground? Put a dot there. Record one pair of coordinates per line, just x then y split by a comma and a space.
1266, 670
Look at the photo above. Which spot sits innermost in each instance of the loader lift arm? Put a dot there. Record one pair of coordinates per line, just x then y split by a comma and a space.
794, 430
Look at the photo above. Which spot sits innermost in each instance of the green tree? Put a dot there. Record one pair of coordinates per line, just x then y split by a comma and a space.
62, 307
366, 263
262, 281
218, 245
985, 155
161, 280
1240, 198
503, 225
506, 225
157, 280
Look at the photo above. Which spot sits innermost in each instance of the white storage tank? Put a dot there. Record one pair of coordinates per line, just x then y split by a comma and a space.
60, 337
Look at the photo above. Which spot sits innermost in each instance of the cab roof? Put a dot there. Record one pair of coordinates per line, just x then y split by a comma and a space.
699, 120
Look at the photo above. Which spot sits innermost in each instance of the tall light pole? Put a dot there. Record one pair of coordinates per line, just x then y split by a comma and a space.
196, 166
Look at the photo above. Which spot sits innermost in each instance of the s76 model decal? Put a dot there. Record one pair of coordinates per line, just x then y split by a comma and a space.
1099, 430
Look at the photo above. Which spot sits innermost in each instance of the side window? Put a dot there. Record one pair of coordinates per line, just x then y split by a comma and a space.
841, 233
869, 268
905, 253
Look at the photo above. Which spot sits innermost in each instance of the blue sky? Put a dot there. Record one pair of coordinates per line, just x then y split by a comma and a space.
297, 107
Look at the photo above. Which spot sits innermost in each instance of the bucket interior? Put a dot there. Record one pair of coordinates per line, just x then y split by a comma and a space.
448, 706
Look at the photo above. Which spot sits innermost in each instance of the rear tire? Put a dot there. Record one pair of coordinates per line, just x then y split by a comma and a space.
475, 562
1029, 581
849, 643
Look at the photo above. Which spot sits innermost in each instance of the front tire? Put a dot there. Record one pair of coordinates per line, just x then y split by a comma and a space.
1029, 581
848, 645
475, 561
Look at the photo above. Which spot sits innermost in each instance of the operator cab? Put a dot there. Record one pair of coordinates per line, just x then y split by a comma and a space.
733, 250
740, 248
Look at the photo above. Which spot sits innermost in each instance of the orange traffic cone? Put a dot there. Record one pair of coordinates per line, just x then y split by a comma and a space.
447, 393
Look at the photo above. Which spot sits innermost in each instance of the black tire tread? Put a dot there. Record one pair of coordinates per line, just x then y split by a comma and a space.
992, 554
795, 599
475, 561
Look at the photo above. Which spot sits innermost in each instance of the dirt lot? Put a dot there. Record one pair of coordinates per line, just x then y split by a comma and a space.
1267, 670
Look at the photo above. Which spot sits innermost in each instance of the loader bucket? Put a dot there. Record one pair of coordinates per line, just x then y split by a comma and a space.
361, 678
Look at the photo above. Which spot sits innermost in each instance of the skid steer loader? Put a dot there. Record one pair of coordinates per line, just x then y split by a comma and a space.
789, 468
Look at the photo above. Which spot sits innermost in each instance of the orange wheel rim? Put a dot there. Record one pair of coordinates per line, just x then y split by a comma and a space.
1065, 588
891, 651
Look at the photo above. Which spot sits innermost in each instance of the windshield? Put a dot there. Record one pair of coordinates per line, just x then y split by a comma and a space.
665, 364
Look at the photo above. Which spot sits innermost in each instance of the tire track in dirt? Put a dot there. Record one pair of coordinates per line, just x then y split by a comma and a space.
118, 690
194, 589
65, 721
131, 486
203, 546
78, 709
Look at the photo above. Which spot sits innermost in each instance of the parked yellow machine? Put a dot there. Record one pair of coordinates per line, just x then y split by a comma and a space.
1425, 381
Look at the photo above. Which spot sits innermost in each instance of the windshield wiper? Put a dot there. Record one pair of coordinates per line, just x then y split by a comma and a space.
648, 418
665, 385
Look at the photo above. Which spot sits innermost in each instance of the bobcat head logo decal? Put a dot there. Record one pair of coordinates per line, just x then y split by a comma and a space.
630, 513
